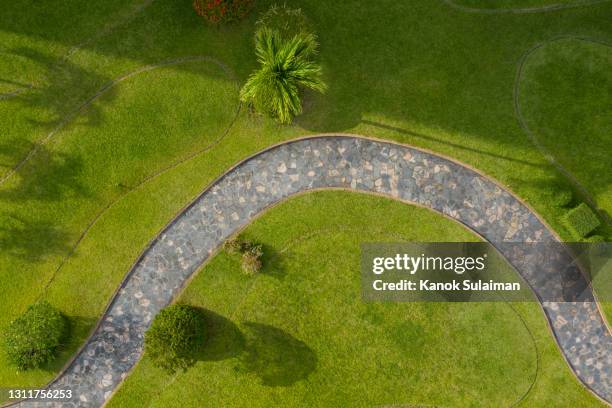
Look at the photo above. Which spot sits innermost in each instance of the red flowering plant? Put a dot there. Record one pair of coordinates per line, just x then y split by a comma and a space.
222, 11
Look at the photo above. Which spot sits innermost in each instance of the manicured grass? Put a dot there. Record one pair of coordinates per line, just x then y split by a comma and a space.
518, 4
137, 128
565, 91
424, 74
298, 333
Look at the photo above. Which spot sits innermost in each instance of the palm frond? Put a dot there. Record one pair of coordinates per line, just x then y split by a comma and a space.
286, 67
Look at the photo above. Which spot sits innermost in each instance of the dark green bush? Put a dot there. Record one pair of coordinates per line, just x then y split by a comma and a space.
562, 197
581, 220
32, 339
175, 333
251, 259
287, 21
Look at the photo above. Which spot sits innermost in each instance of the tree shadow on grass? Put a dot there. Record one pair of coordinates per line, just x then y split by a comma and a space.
327, 113
422, 136
223, 338
31, 240
51, 176
273, 262
276, 357
77, 330
64, 91
272, 354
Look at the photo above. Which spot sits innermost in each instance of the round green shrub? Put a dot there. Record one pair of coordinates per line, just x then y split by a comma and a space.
175, 333
287, 21
562, 197
32, 339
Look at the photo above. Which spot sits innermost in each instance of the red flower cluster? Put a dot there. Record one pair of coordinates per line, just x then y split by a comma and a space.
222, 11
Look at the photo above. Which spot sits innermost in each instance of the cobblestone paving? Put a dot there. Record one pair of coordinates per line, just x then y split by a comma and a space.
326, 162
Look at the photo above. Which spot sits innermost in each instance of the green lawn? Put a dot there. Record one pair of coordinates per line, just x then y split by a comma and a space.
565, 94
501, 5
414, 72
298, 334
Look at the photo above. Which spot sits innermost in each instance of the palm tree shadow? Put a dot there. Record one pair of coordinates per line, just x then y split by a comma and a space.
273, 262
327, 113
276, 357
455, 145
31, 240
52, 175
61, 94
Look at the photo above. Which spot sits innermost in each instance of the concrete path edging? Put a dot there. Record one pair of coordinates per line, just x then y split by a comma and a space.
314, 163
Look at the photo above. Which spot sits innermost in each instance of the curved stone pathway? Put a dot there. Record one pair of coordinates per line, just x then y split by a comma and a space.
103, 210
347, 162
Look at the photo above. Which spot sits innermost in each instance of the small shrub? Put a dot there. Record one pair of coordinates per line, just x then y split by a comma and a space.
235, 246
562, 197
581, 220
32, 339
222, 11
288, 22
174, 334
251, 254
251, 259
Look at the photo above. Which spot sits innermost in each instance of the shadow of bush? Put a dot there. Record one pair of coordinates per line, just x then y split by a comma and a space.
276, 357
223, 338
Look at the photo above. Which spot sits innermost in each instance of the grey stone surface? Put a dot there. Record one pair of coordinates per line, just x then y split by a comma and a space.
324, 162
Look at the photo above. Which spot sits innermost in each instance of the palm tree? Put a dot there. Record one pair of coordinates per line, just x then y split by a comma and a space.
286, 66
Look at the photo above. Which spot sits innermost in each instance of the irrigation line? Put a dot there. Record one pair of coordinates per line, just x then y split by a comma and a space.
522, 10
109, 29
105, 88
344, 228
102, 33
19, 91
112, 203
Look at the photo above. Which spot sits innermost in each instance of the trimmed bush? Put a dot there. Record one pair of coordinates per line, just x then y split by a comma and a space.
222, 11
286, 67
251, 259
562, 197
288, 22
32, 339
581, 220
175, 333
595, 239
